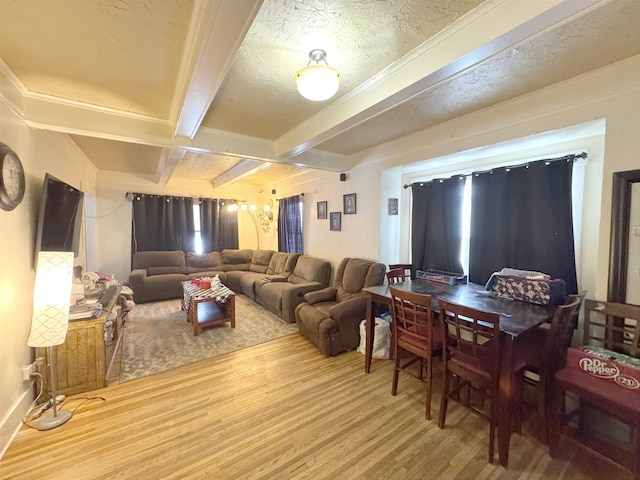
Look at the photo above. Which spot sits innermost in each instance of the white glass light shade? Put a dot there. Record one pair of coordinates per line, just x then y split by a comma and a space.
318, 82
51, 299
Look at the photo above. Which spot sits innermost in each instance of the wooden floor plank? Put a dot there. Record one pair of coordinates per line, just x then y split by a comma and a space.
277, 410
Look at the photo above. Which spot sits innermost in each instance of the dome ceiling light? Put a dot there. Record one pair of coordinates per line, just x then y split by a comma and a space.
317, 82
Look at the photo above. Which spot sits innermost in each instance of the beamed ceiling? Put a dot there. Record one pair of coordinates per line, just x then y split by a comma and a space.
204, 89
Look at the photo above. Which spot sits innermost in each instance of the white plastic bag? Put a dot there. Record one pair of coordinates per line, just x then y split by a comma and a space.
381, 338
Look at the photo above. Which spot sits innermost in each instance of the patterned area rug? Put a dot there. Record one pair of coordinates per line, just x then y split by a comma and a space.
157, 336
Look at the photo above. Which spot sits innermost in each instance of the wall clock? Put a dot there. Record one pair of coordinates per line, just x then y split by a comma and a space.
11, 179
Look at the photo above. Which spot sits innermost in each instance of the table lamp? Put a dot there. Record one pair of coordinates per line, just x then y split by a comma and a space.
51, 299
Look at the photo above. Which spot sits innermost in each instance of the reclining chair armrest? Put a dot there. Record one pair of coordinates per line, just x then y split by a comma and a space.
137, 277
352, 310
293, 295
317, 296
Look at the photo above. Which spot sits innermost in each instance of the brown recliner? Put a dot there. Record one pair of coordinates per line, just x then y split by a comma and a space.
330, 317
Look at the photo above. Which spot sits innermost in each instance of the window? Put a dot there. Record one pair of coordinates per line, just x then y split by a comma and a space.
521, 218
197, 230
290, 225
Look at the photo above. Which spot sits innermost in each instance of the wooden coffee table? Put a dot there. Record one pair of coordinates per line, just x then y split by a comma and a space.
208, 307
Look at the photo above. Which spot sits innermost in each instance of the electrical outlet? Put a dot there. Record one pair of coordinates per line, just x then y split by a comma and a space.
26, 372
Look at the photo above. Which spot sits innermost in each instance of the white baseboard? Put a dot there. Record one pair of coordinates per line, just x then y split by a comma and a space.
13, 422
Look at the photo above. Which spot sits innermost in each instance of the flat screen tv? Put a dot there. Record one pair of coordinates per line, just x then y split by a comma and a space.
60, 219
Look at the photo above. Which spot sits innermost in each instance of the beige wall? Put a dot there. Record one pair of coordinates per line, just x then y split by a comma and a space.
40, 153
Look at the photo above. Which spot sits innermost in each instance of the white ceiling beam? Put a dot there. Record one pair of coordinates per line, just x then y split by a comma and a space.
234, 144
321, 160
240, 170
11, 89
169, 160
215, 34
227, 143
50, 113
490, 28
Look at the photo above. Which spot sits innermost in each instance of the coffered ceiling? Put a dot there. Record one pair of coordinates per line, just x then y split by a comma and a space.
205, 88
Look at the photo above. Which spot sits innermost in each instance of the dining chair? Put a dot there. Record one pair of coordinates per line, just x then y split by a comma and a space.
471, 359
615, 329
545, 360
405, 267
415, 339
538, 335
395, 275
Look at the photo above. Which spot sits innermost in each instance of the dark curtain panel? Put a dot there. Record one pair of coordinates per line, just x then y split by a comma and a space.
436, 224
521, 217
162, 223
290, 225
218, 226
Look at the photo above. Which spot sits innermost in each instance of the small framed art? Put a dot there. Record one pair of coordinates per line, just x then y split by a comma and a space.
349, 203
335, 224
322, 210
393, 206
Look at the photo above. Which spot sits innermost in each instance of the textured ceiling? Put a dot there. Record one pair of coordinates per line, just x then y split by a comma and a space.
361, 38
577, 47
204, 89
117, 54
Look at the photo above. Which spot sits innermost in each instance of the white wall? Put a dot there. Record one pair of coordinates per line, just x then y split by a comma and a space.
40, 153
358, 236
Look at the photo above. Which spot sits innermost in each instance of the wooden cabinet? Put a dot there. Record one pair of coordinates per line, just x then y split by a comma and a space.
83, 360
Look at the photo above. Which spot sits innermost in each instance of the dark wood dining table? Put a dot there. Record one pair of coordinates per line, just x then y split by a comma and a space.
515, 319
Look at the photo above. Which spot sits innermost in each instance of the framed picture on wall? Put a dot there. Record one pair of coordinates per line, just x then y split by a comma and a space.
349, 203
322, 210
335, 221
393, 206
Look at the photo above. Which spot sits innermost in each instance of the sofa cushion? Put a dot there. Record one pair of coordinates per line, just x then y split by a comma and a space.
204, 262
233, 260
260, 260
164, 270
159, 287
157, 258
310, 269
282, 263
354, 274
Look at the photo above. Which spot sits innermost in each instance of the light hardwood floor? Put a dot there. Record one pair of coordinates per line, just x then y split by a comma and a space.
280, 410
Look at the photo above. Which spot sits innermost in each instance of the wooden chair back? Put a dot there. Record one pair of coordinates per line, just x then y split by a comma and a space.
472, 337
412, 317
559, 338
395, 276
580, 296
413, 332
405, 267
614, 326
471, 353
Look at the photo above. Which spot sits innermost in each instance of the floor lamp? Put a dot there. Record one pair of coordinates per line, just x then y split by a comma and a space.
51, 299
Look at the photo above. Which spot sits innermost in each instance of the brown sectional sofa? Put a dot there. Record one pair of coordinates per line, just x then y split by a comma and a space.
274, 279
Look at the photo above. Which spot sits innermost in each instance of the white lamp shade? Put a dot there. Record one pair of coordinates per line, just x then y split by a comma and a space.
318, 82
51, 299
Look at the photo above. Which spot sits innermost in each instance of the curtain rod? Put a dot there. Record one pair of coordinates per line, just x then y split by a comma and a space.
573, 156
